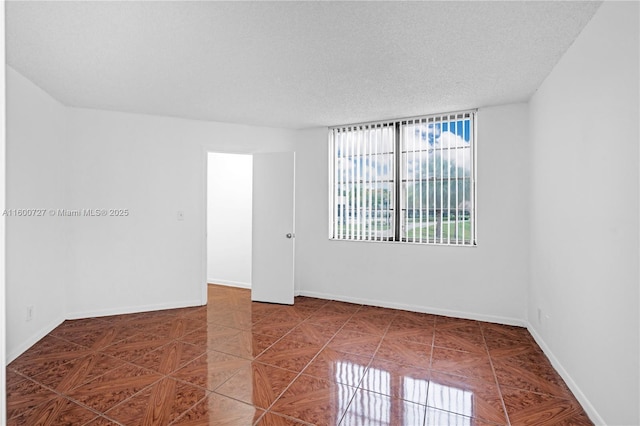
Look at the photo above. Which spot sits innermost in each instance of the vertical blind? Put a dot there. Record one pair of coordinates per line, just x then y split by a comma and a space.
364, 182
410, 180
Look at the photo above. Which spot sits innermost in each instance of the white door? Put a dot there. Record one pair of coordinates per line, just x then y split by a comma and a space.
273, 228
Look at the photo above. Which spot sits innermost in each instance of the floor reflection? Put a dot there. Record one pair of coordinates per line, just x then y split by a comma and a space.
367, 407
455, 406
379, 408
440, 417
451, 399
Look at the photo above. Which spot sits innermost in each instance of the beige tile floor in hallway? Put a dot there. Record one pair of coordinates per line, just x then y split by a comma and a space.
234, 362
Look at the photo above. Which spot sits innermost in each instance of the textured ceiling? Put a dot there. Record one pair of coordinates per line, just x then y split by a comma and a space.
290, 64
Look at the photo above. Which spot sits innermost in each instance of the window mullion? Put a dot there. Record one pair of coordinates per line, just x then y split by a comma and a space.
397, 174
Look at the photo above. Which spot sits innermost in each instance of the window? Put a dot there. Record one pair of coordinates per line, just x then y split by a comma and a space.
409, 180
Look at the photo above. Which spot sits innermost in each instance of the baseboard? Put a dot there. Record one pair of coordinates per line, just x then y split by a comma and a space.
417, 308
133, 309
577, 392
33, 339
228, 283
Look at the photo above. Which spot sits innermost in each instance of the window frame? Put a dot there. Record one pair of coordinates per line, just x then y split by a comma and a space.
398, 236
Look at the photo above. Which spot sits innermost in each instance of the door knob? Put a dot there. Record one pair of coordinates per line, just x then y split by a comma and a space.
289, 235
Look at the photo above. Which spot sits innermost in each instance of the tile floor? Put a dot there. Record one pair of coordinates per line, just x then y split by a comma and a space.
234, 362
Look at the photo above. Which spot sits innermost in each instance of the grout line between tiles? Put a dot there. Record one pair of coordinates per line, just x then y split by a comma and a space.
65, 396
495, 378
313, 359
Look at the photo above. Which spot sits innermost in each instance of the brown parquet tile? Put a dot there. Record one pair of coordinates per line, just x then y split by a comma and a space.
404, 352
218, 410
466, 397
508, 332
465, 364
136, 346
92, 332
339, 367
313, 334
177, 327
466, 339
235, 319
539, 378
24, 395
444, 323
46, 354
435, 417
257, 384
56, 411
170, 357
274, 327
158, 404
271, 419
290, 354
210, 337
65, 377
289, 314
355, 342
408, 330
102, 421
337, 307
369, 323
245, 344
211, 369
315, 401
113, 387
333, 319
261, 310
100, 336
521, 352
529, 408
318, 362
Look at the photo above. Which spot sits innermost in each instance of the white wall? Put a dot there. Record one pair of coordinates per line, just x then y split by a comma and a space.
584, 223
229, 192
155, 167
60, 157
486, 282
38, 249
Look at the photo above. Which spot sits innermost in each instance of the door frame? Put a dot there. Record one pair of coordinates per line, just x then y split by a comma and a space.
204, 208
204, 165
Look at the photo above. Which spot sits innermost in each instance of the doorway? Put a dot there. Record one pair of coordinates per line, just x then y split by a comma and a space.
229, 219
